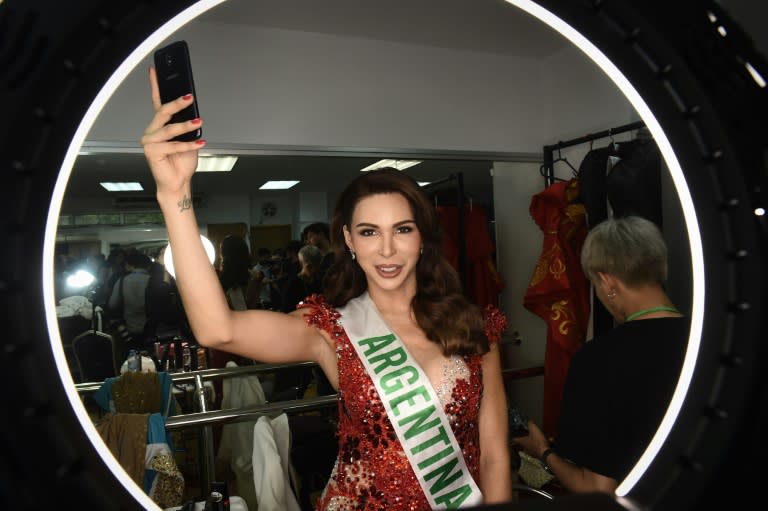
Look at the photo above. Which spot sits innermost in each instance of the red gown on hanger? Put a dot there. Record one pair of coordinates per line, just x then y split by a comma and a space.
483, 281
558, 291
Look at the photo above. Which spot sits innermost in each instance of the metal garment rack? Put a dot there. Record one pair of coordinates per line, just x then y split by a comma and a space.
205, 418
548, 150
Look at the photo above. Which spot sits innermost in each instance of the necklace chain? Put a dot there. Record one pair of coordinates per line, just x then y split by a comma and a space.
660, 308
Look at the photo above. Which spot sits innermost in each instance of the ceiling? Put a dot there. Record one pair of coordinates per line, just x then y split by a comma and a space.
314, 173
440, 23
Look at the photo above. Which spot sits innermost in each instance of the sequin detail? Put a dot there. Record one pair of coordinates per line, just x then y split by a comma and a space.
372, 472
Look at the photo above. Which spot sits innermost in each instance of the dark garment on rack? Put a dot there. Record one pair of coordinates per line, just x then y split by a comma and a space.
633, 185
620, 180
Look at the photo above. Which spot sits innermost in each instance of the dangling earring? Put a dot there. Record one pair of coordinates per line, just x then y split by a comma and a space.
421, 250
352, 253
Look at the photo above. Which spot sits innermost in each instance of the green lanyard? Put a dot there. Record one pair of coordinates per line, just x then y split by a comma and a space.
660, 308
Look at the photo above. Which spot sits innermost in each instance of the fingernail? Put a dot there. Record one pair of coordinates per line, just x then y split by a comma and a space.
196, 120
200, 142
187, 96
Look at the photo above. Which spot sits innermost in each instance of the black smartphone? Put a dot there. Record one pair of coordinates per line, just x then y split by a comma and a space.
174, 79
518, 422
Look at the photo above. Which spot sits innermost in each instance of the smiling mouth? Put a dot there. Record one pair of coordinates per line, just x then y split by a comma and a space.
389, 270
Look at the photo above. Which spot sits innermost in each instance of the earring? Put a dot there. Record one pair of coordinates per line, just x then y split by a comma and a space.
352, 253
612, 294
421, 250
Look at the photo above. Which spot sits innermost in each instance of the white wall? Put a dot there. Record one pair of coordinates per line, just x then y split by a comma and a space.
281, 87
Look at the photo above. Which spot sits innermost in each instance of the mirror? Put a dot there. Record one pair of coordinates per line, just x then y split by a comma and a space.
384, 101
405, 146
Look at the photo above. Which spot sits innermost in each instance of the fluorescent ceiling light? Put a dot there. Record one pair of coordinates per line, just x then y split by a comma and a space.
122, 187
277, 185
215, 163
398, 164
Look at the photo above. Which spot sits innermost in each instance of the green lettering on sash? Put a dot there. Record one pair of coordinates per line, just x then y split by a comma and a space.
419, 416
441, 435
435, 457
392, 358
397, 384
408, 396
376, 343
454, 498
444, 477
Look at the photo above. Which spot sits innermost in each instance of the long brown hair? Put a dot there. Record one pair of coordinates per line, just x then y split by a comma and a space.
440, 306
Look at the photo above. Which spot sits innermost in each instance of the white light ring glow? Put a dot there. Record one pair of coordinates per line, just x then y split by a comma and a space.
168, 255
692, 225
57, 346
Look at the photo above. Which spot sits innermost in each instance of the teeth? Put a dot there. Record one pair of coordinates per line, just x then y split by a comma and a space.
388, 269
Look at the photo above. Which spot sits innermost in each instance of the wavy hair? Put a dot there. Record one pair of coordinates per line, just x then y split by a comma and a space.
235, 262
441, 309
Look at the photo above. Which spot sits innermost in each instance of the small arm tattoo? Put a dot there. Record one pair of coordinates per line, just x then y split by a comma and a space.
185, 203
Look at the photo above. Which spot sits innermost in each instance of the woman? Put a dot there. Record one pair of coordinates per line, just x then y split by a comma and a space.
620, 383
416, 365
234, 270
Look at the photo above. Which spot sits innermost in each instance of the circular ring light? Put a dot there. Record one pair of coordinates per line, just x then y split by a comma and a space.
702, 98
168, 255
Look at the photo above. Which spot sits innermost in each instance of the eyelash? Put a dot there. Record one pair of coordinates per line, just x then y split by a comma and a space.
403, 229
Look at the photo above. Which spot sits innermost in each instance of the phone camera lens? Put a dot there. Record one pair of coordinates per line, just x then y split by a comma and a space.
168, 60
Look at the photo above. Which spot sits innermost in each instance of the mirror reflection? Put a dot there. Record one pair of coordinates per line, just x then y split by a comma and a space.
315, 97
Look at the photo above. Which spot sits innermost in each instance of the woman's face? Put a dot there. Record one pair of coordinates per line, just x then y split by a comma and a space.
387, 243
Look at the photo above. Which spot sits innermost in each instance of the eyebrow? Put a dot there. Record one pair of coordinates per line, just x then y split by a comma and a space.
396, 224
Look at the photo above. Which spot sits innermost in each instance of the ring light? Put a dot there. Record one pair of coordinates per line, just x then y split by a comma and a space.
62, 70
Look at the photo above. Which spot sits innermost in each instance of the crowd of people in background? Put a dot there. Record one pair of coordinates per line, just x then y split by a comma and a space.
140, 303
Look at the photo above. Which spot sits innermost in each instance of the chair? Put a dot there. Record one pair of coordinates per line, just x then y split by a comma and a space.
95, 355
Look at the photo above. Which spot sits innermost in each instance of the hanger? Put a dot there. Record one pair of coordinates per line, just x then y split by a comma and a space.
613, 145
562, 158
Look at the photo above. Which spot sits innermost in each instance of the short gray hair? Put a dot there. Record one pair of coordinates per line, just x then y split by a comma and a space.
630, 248
311, 255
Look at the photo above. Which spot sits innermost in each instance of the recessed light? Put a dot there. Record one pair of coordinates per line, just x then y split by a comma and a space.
398, 164
278, 185
206, 163
122, 187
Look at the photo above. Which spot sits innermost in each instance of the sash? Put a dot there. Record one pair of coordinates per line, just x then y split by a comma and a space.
412, 406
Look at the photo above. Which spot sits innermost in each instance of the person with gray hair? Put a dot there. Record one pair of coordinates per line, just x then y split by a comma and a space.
620, 383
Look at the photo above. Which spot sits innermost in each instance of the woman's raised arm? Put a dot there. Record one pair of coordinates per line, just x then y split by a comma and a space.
260, 335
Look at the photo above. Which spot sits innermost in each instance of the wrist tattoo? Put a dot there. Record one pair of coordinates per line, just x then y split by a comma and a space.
185, 203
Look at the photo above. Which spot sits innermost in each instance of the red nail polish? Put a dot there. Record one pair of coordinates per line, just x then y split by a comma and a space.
196, 120
187, 96
200, 142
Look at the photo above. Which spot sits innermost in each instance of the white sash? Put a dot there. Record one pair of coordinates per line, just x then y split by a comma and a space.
412, 406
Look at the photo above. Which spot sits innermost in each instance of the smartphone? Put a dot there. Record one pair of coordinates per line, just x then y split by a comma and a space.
174, 79
518, 422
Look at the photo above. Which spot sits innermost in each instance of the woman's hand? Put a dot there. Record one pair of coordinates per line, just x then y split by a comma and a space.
172, 163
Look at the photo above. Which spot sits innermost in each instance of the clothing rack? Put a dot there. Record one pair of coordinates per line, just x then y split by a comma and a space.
459, 179
205, 418
548, 150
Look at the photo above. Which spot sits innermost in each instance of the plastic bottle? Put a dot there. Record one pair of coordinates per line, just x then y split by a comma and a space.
133, 360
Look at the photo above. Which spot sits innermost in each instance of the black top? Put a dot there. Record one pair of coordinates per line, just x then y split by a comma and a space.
617, 391
296, 289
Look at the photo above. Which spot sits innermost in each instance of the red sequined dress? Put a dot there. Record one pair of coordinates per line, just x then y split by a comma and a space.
372, 472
